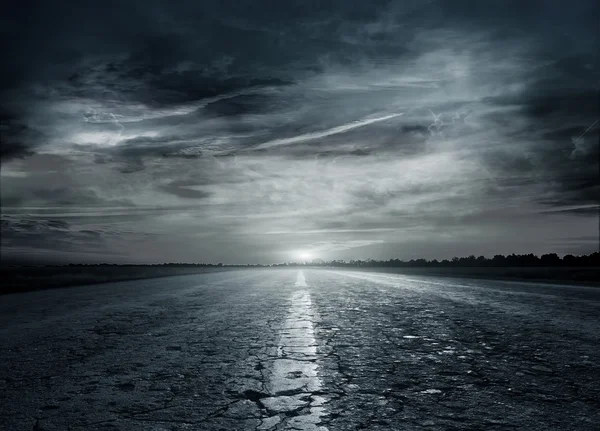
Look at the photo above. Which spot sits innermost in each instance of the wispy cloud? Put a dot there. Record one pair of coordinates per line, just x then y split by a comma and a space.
325, 133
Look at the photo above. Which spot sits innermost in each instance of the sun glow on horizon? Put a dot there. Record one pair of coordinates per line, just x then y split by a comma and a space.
304, 255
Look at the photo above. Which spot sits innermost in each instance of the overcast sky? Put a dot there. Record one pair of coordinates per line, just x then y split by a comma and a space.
253, 131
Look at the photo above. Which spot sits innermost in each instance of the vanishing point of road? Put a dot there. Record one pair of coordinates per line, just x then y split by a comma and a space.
301, 349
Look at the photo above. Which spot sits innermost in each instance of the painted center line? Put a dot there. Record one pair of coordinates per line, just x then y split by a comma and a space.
294, 380
300, 280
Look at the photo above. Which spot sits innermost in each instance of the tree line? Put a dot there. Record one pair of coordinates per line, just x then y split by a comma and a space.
499, 260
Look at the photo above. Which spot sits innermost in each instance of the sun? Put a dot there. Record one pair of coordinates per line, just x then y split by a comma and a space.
305, 255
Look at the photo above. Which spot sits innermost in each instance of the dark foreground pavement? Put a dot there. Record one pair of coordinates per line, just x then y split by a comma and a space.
301, 349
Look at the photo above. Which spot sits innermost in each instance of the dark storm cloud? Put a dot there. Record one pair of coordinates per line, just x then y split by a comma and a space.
58, 234
184, 189
241, 104
42, 240
16, 138
356, 125
585, 210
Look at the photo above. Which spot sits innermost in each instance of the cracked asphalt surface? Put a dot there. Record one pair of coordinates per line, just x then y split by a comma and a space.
302, 349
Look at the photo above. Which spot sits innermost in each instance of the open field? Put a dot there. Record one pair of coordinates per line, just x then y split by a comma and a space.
23, 279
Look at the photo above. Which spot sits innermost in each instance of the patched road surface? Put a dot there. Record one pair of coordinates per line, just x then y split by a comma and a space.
302, 349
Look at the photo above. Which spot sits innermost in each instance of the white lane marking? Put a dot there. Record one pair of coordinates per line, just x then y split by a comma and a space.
294, 379
300, 281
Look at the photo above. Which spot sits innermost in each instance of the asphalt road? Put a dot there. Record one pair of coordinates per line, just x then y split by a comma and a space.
301, 349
